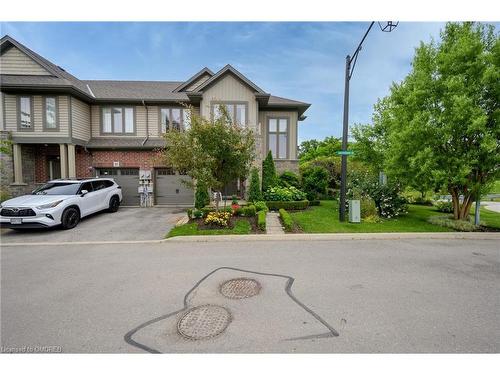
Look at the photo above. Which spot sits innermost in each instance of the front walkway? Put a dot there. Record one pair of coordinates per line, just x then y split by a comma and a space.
273, 224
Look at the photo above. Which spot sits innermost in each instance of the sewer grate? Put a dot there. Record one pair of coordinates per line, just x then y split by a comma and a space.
204, 322
240, 288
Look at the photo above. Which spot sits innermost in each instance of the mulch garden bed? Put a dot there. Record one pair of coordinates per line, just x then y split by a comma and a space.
232, 222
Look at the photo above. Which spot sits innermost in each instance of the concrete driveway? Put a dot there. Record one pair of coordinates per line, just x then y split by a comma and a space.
128, 224
390, 296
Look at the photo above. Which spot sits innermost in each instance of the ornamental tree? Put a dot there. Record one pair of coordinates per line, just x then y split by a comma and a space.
269, 178
213, 152
439, 126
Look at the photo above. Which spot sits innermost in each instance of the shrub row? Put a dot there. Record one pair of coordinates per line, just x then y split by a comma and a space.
261, 220
314, 202
458, 225
286, 220
246, 211
288, 205
196, 214
261, 206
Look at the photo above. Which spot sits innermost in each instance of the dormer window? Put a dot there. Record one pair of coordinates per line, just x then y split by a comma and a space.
237, 111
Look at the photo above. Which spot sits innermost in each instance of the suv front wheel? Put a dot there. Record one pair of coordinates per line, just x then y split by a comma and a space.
70, 218
114, 204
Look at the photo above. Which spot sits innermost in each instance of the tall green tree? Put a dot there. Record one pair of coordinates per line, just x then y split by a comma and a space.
213, 152
312, 149
439, 126
269, 178
254, 192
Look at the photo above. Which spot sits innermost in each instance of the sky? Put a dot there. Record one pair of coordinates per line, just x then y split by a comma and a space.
304, 61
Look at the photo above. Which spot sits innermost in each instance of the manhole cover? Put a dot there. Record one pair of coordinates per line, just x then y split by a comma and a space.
240, 288
204, 322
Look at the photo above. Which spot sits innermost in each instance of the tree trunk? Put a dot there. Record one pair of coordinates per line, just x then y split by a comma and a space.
466, 205
455, 200
461, 211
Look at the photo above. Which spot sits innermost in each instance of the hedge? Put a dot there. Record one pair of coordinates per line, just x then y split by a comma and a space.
261, 220
314, 202
286, 220
247, 211
288, 205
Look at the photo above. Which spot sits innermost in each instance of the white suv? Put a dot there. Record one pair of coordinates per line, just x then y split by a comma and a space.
61, 202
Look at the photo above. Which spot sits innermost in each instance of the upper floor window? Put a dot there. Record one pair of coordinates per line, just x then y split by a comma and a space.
237, 112
50, 114
118, 120
173, 119
278, 137
25, 113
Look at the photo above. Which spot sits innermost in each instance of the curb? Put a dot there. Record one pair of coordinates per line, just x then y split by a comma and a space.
491, 236
495, 236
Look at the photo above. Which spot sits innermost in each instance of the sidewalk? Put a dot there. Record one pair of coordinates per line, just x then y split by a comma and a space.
273, 224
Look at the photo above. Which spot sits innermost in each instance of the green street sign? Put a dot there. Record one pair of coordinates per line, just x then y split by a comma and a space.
344, 152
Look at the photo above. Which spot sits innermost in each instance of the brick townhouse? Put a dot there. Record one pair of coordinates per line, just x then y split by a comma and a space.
64, 127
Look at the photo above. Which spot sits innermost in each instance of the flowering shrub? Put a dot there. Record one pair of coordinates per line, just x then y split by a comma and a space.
444, 206
284, 194
220, 218
387, 198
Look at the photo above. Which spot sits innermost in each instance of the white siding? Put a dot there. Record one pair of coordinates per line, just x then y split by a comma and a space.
292, 141
230, 88
13, 61
11, 117
80, 119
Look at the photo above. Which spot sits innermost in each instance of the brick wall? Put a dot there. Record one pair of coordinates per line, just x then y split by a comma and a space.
88, 160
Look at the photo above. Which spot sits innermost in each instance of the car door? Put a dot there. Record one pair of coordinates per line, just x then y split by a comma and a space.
101, 190
88, 202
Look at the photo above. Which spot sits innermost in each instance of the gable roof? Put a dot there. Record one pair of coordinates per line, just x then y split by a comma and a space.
115, 90
193, 79
228, 69
65, 79
136, 90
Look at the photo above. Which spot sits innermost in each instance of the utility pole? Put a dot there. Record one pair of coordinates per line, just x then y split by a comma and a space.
350, 63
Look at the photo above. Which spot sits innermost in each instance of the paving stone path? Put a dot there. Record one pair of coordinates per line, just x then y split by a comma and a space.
273, 224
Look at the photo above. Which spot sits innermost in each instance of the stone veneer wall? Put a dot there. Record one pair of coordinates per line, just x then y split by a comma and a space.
286, 165
7, 173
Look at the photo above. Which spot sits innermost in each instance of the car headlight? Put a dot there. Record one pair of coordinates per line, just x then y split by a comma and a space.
49, 205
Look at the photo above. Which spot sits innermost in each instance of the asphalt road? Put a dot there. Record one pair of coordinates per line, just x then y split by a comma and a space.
387, 296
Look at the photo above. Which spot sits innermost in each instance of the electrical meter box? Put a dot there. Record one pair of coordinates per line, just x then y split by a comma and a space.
354, 211
145, 174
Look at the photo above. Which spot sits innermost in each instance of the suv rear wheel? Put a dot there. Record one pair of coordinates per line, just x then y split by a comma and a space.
70, 218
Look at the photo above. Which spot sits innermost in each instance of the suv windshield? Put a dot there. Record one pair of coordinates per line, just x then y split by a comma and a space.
58, 188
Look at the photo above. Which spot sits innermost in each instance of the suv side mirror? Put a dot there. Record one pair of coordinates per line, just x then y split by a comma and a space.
83, 193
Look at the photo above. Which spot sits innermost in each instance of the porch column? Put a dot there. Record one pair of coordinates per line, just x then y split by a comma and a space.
63, 158
71, 161
18, 163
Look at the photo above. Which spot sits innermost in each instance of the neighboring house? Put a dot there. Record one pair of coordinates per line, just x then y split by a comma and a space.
64, 127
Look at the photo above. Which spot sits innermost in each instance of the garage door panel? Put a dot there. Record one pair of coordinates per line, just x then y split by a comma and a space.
128, 179
170, 189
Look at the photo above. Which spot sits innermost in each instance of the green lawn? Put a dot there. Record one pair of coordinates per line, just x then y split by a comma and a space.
191, 229
490, 218
495, 189
324, 219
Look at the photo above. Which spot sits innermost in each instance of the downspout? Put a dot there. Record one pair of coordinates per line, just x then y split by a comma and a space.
147, 123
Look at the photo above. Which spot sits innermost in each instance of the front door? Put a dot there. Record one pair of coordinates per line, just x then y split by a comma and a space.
53, 167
